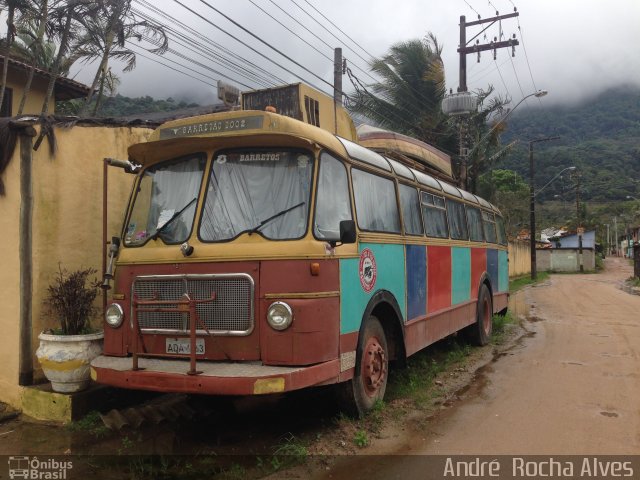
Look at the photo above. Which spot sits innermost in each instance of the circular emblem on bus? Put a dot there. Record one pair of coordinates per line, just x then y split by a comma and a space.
368, 270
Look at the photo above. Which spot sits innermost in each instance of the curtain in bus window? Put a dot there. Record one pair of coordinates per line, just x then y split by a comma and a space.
332, 203
174, 188
489, 227
247, 189
457, 220
474, 221
410, 205
376, 205
434, 215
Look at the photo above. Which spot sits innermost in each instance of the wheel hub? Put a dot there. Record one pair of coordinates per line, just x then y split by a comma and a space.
374, 366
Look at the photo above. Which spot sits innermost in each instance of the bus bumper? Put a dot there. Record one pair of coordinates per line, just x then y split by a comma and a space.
216, 378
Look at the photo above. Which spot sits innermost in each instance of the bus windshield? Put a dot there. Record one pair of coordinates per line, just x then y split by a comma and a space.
265, 191
165, 202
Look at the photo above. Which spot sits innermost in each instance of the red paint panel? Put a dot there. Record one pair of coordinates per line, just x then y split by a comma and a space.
500, 302
312, 337
348, 342
294, 276
438, 278
478, 267
463, 315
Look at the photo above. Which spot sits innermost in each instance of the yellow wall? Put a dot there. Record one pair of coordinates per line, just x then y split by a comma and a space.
16, 81
10, 282
519, 258
67, 225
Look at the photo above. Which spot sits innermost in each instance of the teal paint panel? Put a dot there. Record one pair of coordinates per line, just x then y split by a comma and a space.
390, 276
503, 271
460, 275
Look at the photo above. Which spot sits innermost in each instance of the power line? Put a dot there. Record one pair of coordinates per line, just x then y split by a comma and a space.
264, 74
265, 43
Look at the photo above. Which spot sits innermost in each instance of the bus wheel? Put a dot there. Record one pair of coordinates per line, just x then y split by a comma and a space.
480, 332
372, 367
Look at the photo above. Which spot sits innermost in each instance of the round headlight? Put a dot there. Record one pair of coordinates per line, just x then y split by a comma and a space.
279, 315
114, 315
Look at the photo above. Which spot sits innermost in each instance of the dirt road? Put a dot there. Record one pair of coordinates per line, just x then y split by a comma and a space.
573, 387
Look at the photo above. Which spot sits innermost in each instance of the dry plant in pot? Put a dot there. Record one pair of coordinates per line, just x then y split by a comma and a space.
66, 352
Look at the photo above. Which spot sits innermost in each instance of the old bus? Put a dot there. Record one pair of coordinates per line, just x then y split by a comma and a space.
261, 253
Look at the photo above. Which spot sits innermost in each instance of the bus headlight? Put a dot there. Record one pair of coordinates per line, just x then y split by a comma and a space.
279, 315
114, 315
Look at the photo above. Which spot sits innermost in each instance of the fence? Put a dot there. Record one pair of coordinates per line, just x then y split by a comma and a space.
519, 258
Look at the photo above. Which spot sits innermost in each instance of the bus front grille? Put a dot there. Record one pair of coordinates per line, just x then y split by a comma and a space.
230, 313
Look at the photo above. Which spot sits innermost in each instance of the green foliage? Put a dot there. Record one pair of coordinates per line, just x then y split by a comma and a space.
91, 423
521, 282
71, 299
361, 439
121, 106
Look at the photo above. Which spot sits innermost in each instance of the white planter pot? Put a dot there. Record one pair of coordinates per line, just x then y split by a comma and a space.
65, 359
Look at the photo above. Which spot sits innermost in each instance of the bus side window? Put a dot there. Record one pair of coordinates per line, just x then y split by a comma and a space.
489, 227
434, 215
332, 202
410, 204
376, 205
502, 236
457, 220
474, 220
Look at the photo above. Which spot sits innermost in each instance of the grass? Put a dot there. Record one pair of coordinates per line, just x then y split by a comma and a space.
361, 439
500, 323
90, 423
521, 282
633, 281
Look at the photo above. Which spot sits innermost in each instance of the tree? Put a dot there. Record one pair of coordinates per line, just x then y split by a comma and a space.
407, 99
21, 6
107, 32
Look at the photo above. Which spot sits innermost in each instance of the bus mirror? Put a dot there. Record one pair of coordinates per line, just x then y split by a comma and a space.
347, 231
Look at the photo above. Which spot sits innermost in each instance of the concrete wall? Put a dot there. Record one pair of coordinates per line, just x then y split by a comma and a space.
519, 258
16, 79
67, 226
572, 241
564, 260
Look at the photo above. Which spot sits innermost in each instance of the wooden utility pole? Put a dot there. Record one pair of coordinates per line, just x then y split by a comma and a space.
494, 45
580, 229
338, 71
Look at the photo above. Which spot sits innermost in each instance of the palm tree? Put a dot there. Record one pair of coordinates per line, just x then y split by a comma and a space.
109, 82
107, 33
407, 99
12, 6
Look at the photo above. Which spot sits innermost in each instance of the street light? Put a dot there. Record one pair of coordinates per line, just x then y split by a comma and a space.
554, 178
538, 94
532, 204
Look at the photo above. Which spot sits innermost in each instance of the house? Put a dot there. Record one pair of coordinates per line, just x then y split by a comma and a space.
563, 254
17, 74
570, 240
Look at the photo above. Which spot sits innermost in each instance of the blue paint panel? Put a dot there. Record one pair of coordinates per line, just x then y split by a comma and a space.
390, 276
492, 269
503, 271
460, 275
416, 281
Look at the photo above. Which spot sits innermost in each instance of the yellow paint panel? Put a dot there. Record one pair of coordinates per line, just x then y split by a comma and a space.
268, 385
94, 374
61, 366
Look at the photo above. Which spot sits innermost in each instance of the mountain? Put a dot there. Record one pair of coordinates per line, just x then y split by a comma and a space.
600, 136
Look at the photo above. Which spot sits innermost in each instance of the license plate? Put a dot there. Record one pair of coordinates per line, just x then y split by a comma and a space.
182, 346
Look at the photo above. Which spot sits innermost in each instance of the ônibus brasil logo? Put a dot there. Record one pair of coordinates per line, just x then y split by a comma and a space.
33, 468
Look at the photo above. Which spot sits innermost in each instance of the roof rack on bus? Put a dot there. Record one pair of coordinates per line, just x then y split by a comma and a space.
362, 154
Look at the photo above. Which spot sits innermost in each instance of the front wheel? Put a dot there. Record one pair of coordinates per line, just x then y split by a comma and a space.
369, 383
480, 332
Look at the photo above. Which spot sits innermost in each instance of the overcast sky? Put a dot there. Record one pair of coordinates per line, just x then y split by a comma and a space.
575, 48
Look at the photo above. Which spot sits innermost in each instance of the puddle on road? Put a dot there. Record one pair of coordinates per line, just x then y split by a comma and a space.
609, 414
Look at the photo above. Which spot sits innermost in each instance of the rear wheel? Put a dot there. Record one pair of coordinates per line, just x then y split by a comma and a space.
480, 332
371, 372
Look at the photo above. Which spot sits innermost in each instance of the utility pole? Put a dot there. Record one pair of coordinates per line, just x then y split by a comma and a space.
532, 205
608, 241
338, 71
615, 229
494, 45
580, 229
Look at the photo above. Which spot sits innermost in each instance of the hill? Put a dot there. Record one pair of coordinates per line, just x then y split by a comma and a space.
601, 137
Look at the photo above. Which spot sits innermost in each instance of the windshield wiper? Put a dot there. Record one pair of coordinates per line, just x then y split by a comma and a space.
273, 217
173, 217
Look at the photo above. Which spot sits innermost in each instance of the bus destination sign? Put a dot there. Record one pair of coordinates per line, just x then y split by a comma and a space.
212, 127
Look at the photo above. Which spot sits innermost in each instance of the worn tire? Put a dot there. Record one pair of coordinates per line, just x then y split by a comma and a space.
479, 333
369, 383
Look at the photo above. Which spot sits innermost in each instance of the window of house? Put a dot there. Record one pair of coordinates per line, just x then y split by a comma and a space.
434, 214
7, 102
376, 205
